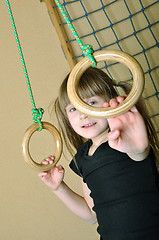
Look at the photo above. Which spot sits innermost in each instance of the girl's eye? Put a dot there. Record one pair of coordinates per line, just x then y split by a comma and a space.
92, 103
72, 109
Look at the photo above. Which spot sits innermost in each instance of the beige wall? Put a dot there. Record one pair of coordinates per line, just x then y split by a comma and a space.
28, 209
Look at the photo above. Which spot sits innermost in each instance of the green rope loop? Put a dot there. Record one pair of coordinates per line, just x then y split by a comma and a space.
39, 115
86, 49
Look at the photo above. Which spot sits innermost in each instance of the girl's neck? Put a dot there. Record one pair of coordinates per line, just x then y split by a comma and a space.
96, 142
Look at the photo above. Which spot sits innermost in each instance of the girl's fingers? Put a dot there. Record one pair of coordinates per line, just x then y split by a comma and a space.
48, 160
42, 174
113, 103
106, 104
52, 157
120, 99
60, 168
45, 161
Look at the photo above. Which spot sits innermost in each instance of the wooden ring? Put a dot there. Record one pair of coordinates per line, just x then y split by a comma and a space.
132, 98
25, 146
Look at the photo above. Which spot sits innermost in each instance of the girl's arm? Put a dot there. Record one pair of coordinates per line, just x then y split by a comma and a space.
76, 203
80, 206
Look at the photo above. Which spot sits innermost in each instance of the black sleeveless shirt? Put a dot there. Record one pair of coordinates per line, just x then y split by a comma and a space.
125, 192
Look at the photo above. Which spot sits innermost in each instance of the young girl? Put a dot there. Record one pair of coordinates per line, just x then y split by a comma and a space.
116, 160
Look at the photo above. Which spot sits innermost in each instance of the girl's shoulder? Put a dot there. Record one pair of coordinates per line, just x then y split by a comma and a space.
78, 158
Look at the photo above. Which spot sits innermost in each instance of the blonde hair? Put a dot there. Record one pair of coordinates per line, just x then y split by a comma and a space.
93, 82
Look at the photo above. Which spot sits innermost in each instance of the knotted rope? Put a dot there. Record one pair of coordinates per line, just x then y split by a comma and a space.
36, 112
86, 49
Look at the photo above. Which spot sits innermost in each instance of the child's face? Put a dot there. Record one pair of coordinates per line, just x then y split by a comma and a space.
85, 126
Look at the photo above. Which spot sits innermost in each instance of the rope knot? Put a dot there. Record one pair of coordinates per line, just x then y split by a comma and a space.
37, 114
88, 51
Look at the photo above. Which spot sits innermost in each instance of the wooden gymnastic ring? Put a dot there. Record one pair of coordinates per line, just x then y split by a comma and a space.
25, 146
132, 98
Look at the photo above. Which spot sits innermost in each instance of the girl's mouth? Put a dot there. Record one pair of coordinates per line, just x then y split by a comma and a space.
89, 125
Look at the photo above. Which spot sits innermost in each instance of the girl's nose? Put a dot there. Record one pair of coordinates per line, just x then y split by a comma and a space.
82, 115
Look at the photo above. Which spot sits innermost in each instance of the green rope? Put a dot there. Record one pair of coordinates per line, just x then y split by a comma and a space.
86, 49
36, 112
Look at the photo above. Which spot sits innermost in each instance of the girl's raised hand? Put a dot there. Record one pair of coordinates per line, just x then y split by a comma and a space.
128, 131
52, 178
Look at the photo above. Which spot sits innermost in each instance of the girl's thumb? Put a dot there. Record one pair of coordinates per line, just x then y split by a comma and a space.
113, 135
60, 168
